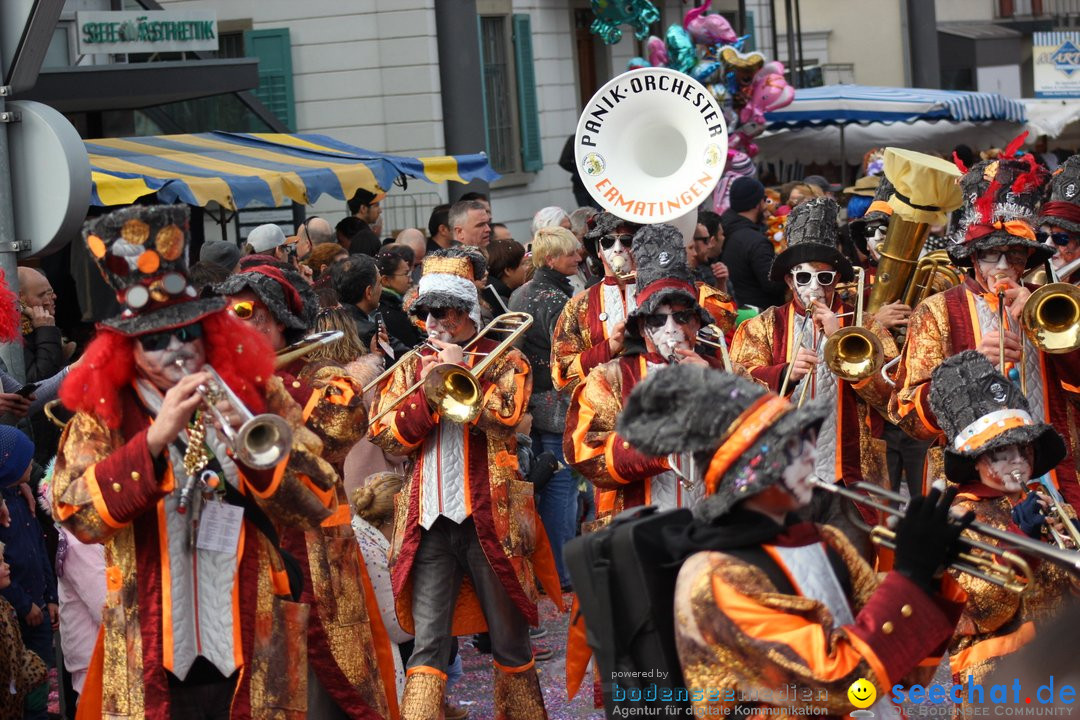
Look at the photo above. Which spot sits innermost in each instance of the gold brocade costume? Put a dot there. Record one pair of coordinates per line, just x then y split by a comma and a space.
121, 505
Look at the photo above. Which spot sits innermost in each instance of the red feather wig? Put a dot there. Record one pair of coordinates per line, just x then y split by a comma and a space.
9, 313
240, 354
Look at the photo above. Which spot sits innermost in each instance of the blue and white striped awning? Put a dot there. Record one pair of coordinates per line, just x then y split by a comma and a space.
236, 170
847, 104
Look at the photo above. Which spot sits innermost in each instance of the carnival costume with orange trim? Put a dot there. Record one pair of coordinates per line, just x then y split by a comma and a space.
850, 448
465, 491
348, 648
170, 605
623, 477
760, 607
1000, 197
981, 411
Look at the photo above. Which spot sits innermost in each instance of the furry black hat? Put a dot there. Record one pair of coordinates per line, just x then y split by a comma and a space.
663, 275
879, 212
980, 410
284, 292
996, 193
141, 252
599, 225
811, 231
694, 409
1063, 207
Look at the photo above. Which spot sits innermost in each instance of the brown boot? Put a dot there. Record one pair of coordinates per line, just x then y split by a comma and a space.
451, 711
423, 696
517, 693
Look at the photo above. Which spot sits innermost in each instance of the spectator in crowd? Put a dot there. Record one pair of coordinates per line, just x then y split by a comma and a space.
32, 587
359, 287
206, 273
221, 252
819, 182
793, 193
470, 221
396, 273
708, 245
43, 347
440, 236
579, 221
348, 231
579, 225
747, 253
25, 674
568, 162
554, 255
366, 207
550, 217
314, 231
266, 240
323, 256
499, 231
506, 267
416, 241
480, 197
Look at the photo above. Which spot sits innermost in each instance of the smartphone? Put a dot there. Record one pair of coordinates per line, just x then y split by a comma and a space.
27, 390
380, 327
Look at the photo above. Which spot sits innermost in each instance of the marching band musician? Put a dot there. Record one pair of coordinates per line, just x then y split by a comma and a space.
1060, 215
592, 327
996, 241
764, 601
196, 623
850, 448
995, 448
661, 331
464, 514
278, 303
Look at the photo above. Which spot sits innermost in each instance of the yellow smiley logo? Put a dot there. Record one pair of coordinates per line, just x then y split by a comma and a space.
862, 693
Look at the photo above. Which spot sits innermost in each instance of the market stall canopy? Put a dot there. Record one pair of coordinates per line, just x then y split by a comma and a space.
847, 104
1050, 116
236, 170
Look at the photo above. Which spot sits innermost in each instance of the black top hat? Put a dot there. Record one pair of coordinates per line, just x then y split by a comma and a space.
980, 410
1000, 197
811, 236
663, 275
141, 252
1063, 207
689, 408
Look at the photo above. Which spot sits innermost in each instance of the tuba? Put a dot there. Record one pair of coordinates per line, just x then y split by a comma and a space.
651, 146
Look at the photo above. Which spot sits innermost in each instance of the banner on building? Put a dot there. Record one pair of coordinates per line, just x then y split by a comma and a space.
1056, 58
146, 31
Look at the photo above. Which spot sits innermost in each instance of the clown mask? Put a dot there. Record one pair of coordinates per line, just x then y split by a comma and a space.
800, 452
666, 330
1006, 468
1001, 264
875, 239
808, 281
444, 324
617, 257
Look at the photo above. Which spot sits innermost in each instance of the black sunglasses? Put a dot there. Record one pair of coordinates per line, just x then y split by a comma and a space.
1061, 239
626, 239
681, 317
438, 313
154, 342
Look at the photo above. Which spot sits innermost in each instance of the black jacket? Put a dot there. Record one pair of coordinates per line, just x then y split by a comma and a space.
398, 324
367, 326
43, 353
749, 255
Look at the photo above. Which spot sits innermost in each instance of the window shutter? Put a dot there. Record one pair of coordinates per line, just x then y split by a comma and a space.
751, 42
528, 111
274, 51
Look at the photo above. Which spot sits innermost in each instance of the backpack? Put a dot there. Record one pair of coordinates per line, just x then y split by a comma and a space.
624, 576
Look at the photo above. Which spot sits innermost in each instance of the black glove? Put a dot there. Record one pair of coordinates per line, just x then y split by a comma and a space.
1029, 515
926, 538
544, 466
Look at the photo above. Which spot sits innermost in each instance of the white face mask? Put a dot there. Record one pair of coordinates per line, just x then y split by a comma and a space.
810, 292
801, 452
618, 258
441, 330
1006, 468
995, 272
874, 242
669, 337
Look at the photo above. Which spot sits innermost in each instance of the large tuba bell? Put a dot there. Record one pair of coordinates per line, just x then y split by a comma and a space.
651, 145
1051, 318
854, 353
932, 267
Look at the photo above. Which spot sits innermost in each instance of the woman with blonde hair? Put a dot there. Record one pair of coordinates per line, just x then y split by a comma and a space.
554, 255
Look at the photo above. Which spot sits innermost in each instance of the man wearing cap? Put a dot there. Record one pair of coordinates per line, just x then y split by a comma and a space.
464, 512
783, 349
764, 602
1060, 215
995, 451
747, 253
197, 623
996, 243
223, 253
342, 634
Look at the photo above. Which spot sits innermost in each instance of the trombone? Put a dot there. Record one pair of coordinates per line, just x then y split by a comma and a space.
1057, 506
808, 324
312, 342
854, 353
713, 336
453, 390
1010, 571
1051, 318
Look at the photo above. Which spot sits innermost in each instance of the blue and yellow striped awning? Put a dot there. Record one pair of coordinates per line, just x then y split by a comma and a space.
240, 169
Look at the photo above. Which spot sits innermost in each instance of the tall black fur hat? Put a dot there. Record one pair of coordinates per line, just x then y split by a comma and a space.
996, 192
663, 275
694, 409
599, 225
282, 290
812, 231
879, 212
980, 410
142, 252
1063, 207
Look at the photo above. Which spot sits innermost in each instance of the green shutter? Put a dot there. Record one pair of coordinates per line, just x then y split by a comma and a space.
274, 51
528, 111
751, 42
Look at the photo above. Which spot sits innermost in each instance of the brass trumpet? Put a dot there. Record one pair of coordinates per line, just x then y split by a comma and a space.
1010, 571
713, 336
262, 440
854, 353
453, 390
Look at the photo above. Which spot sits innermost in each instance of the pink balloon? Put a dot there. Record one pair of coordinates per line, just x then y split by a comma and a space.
656, 51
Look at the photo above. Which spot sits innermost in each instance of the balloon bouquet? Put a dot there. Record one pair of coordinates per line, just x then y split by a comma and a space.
706, 48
